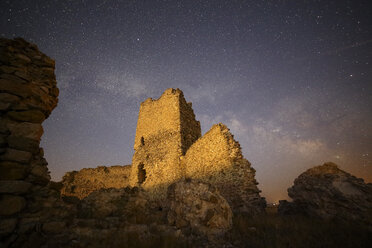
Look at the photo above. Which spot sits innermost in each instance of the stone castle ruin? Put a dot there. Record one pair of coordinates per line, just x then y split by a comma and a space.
166, 128
168, 147
200, 182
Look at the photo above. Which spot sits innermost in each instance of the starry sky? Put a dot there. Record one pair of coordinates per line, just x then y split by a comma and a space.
292, 79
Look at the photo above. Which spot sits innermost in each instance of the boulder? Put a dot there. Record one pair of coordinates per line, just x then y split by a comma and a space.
199, 206
327, 192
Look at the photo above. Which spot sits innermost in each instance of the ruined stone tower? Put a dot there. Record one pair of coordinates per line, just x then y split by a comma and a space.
166, 128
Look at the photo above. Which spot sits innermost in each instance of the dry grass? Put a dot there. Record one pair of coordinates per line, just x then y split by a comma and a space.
271, 230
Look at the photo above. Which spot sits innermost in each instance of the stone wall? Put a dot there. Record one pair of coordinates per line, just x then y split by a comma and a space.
165, 129
217, 158
28, 94
82, 183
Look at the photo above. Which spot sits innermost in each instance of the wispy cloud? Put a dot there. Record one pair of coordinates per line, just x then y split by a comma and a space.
125, 84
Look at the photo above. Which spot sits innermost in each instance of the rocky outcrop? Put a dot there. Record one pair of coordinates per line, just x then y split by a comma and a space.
330, 193
216, 158
199, 206
82, 183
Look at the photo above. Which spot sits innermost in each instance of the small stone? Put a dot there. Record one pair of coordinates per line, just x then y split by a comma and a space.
14, 187
40, 171
7, 69
16, 156
23, 75
3, 128
7, 226
27, 130
5, 97
48, 61
54, 227
4, 106
34, 116
12, 171
3, 142
15, 88
13, 78
10, 204
24, 144
23, 58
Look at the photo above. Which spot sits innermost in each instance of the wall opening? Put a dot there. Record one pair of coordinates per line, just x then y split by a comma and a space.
141, 173
142, 141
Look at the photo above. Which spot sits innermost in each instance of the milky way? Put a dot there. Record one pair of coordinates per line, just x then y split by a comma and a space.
291, 79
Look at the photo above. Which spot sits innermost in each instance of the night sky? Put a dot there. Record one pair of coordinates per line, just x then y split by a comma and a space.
291, 79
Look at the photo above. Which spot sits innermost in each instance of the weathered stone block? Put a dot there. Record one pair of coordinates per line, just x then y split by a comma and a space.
4, 106
10, 204
12, 170
40, 171
54, 227
5, 97
14, 187
21, 58
7, 69
26, 130
7, 226
34, 116
24, 144
16, 156
3, 141
15, 88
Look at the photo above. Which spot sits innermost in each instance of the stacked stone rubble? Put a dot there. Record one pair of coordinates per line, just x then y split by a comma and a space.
28, 94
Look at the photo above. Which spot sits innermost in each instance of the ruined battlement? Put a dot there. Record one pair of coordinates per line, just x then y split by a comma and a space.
166, 128
168, 115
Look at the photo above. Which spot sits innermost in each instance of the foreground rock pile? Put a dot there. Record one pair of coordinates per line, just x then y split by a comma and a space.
330, 193
199, 206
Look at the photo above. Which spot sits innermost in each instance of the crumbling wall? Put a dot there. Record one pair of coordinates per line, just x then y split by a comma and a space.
165, 129
28, 94
217, 158
82, 183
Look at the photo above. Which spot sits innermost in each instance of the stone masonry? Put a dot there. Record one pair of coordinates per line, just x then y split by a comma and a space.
216, 158
82, 183
168, 147
166, 128
28, 94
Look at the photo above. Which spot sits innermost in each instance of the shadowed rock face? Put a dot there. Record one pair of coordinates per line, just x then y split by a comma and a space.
330, 193
199, 206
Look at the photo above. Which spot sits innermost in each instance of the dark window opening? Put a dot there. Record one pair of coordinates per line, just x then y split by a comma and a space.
142, 141
141, 173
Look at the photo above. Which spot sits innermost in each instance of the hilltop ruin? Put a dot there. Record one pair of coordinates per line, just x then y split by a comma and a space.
168, 147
